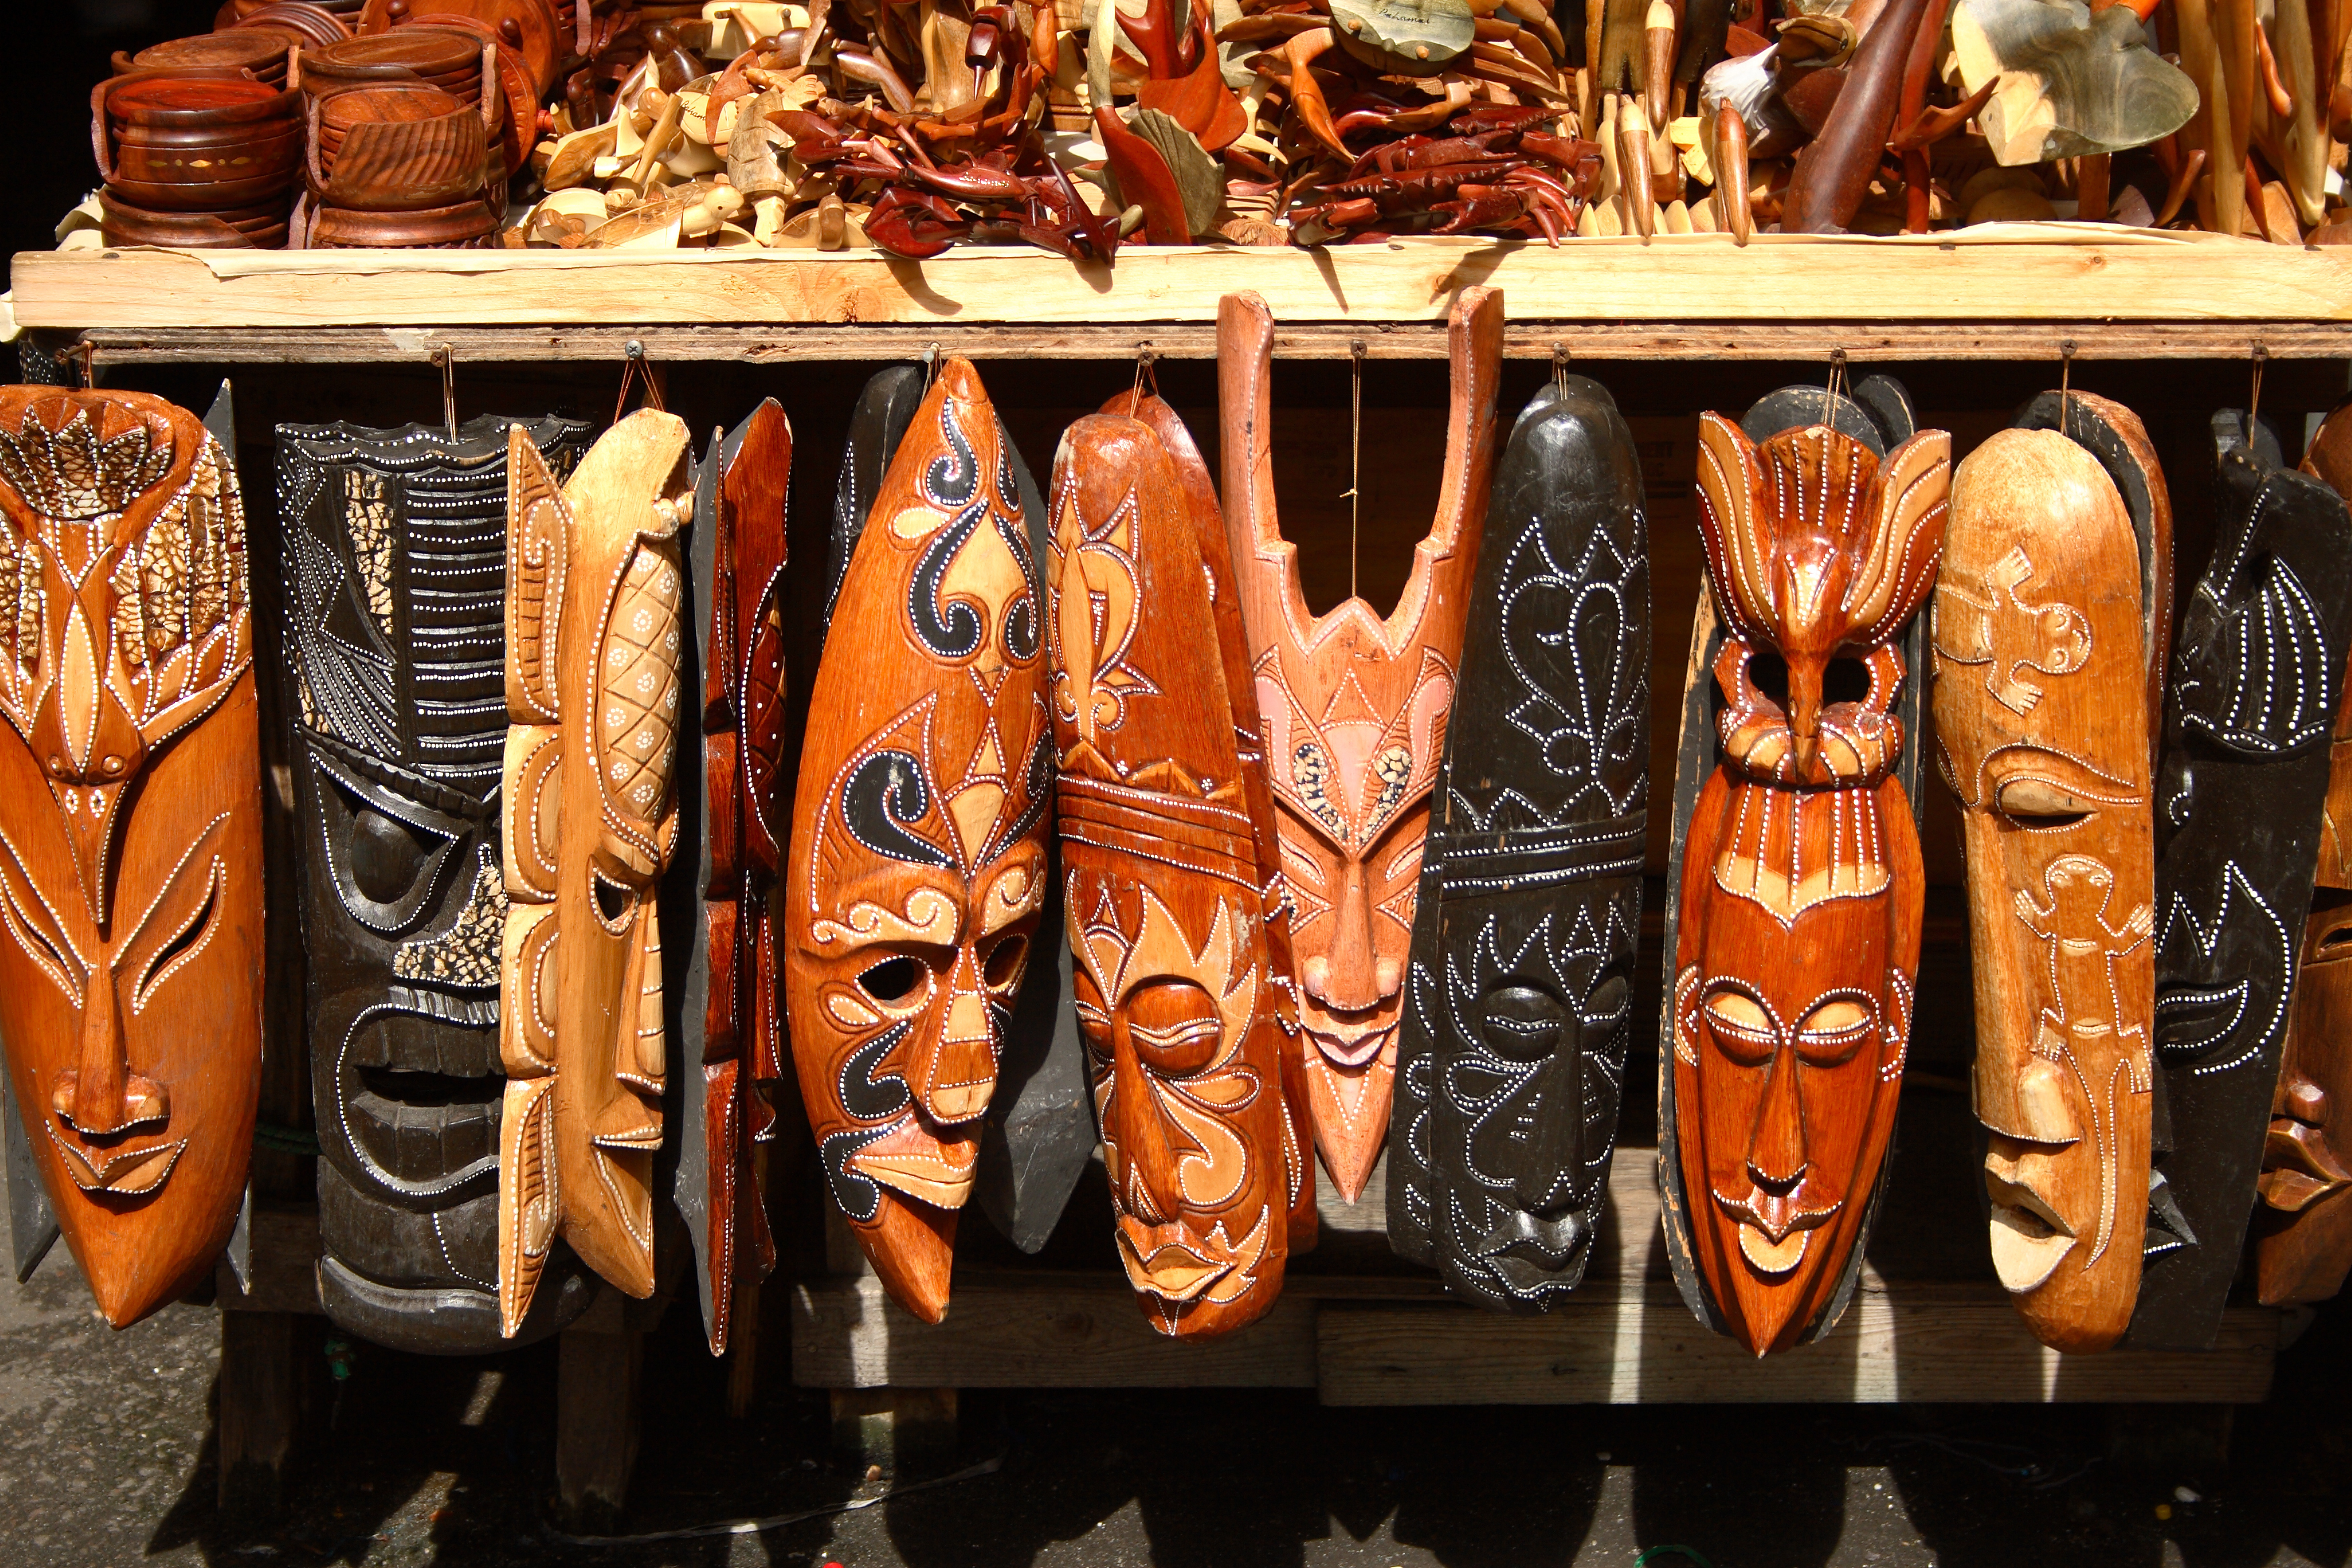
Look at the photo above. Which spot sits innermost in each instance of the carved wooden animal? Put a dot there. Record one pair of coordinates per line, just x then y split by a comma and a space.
1167, 897
1354, 710
2043, 642
1834, 171
2303, 1245
2255, 682
917, 866
130, 848
596, 704
393, 689
1797, 941
1512, 1050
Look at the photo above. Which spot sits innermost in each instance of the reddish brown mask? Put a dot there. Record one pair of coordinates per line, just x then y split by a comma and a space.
130, 846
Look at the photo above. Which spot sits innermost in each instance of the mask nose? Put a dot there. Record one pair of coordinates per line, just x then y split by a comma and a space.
99, 1094
1553, 1156
1147, 1174
1776, 1149
2300, 1098
1350, 977
1805, 676
952, 1071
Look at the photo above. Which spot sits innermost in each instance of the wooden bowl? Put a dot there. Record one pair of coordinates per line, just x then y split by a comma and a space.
397, 150
313, 25
462, 226
262, 228
541, 34
262, 55
440, 54
185, 141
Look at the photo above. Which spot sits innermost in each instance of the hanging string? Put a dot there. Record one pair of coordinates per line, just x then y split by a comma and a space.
1835, 391
2254, 400
446, 357
1559, 366
930, 366
2065, 385
1144, 370
637, 370
1355, 453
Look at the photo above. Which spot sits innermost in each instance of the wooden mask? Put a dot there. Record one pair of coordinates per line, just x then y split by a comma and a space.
1354, 711
2255, 678
131, 851
738, 577
2330, 459
394, 570
1167, 898
2044, 639
1512, 1052
595, 702
917, 868
1797, 939
2303, 1245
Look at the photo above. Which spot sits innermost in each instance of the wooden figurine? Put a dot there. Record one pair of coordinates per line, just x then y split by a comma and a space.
394, 566
917, 868
738, 577
2059, 543
1512, 1051
1797, 936
2330, 458
1166, 897
595, 706
1354, 710
2303, 1245
131, 881
2256, 676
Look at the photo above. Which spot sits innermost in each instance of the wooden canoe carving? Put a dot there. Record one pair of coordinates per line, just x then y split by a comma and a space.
2303, 1245
1797, 939
2253, 694
596, 705
395, 571
1354, 710
1166, 896
739, 578
131, 850
2330, 458
917, 868
2043, 646
1512, 1052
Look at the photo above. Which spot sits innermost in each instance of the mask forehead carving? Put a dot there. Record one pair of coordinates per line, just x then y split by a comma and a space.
1513, 1046
395, 592
1798, 931
596, 700
1166, 897
1354, 710
2042, 643
917, 866
131, 855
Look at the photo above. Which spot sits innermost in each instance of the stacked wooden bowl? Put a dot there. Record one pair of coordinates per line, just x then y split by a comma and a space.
397, 164
530, 40
315, 26
198, 158
263, 54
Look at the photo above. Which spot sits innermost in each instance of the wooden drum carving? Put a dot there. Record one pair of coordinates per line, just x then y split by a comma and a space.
130, 849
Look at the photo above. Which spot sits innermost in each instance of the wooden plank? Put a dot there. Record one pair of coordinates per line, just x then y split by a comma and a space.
1585, 342
259, 1407
599, 1379
286, 1251
2018, 271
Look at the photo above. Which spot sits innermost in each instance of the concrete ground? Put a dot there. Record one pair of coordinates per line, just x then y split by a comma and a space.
107, 1457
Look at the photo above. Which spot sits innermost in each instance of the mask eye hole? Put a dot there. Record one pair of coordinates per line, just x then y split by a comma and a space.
1831, 1033
1522, 1023
1768, 673
614, 903
892, 980
1741, 1027
1005, 961
2042, 804
1845, 680
388, 855
1175, 1025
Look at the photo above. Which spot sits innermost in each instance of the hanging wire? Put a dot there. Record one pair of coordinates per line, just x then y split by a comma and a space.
1355, 453
2066, 386
637, 369
2254, 400
446, 357
84, 352
1835, 391
930, 366
1559, 366
1144, 370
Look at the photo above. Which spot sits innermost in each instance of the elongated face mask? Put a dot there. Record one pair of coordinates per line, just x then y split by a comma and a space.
130, 845
1165, 902
918, 862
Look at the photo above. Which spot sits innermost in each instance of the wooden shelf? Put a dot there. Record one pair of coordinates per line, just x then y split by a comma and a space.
2005, 291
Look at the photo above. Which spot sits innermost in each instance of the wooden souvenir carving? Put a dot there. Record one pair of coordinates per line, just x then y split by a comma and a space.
1354, 711
1513, 1046
2255, 680
739, 549
918, 867
594, 707
395, 690
2043, 642
1166, 897
1797, 939
2303, 1245
130, 850
2330, 458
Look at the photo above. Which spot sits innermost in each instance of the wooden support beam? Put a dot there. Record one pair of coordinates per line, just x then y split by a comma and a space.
259, 1407
599, 1381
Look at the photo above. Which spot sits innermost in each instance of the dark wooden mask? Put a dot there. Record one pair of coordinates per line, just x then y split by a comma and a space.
1166, 897
394, 568
2240, 796
1797, 935
918, 871
131, 846
596, 703
2303, 1245
1354, 710
1513, 1047
2058, 544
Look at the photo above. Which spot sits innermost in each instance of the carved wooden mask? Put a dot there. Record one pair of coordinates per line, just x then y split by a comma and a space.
917, 864
2255, 678
596, 704
394, 599
1798, 939
131, 850
2329, 459
2041, 650
1354, 710
1513, 1047
1167, 900
740, 551
2303, 1229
